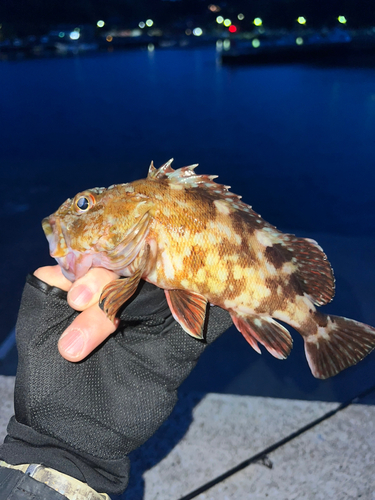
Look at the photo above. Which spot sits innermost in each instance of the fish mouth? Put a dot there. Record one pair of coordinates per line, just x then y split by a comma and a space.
74, 264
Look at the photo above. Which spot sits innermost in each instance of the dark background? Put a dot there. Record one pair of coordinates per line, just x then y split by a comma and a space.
297, 141
26, 16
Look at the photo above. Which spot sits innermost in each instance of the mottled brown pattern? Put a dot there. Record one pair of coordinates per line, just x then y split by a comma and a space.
277, 255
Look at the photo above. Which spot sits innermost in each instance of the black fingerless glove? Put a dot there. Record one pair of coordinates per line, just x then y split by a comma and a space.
84, 418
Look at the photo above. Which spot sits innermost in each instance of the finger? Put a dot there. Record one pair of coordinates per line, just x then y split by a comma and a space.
85, 333
53, 276
86, 291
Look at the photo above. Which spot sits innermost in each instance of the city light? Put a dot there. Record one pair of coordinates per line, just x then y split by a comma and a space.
342, 19
299, 40
232, 28
149, 23
61, 34
255, 43
197, 31
257, 21
240, 17
219, 19
100, 24
301, 20
227, 23
151, 47
214, 8
188, 32
74, 35
109, 38
141, 25
226, 44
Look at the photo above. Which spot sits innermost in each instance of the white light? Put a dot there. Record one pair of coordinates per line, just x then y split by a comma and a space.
342, 19
255, 43
240, 16
74, 35
219, 44
151, 47
100, 24
227, 22
299, 40
258, 21
142, 25
226, 44
149, 23
197, 31
219, 19
301, 20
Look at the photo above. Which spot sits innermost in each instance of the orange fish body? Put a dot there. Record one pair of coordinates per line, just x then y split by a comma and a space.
202, 244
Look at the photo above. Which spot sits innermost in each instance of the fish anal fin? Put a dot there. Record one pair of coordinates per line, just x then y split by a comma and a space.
244, 327
268, 332
189, 310
339, 344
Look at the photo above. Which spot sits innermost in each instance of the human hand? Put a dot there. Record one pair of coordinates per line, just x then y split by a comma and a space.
84, 418
90, 328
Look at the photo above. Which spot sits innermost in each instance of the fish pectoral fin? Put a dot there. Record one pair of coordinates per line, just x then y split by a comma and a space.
117, 292
275, 338
189, 310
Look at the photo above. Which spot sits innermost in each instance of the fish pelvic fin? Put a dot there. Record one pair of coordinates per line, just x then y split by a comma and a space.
189, 310
336, 344
117, 292
268, 332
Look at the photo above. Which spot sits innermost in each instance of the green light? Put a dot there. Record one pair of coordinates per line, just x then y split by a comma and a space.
299, 40
301, 20
255, 43
219, 19
258, 21
100, 24
227, 23
342, 19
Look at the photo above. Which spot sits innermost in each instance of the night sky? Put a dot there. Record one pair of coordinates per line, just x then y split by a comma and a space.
27, 16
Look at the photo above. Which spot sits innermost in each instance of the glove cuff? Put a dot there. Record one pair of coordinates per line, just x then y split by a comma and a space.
68, 486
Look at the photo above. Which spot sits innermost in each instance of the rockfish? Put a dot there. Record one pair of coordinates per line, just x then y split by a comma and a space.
198, 241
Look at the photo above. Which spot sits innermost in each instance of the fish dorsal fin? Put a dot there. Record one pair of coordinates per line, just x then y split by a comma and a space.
188, 178
314, 271
162, 172
189, 310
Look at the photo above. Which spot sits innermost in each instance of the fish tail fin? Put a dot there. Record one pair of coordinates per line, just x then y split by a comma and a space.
335, 343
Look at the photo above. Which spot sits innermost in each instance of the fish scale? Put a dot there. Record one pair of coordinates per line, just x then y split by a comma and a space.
202, 244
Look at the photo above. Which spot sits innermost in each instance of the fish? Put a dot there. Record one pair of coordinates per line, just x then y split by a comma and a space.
203, 245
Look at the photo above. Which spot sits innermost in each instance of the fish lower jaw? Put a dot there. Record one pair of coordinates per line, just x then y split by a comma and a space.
74, 265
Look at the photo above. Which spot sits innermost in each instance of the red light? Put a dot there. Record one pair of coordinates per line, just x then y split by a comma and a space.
232, 28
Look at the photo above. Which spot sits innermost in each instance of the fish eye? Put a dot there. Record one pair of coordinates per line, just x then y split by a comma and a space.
83, 203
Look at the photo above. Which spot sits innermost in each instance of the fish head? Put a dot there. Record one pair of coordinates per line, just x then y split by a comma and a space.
99, 227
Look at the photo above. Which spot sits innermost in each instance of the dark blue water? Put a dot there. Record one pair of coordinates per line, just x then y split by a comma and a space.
296, 141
